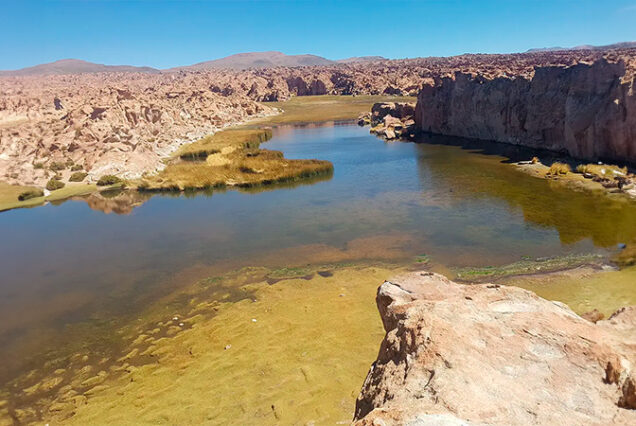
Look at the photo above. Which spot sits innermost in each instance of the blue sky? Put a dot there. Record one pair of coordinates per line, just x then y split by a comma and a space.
163, 33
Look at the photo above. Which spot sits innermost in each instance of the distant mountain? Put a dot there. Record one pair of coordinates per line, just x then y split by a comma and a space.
356, 59
623, 45
238, 61
74, 66
259, 60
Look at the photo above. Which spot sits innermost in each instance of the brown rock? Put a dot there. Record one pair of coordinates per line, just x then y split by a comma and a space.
480, 354
593, 316
587, 110
145, 116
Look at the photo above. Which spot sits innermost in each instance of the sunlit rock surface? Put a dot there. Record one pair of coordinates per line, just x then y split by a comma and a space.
587, 110
490, 354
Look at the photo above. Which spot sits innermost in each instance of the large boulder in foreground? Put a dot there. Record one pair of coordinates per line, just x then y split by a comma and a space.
487, 354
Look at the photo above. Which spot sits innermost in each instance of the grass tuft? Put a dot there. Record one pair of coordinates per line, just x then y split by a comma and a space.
559, 169
108, 180
54, 184
77, 177
601, 171
56, 166
27, 195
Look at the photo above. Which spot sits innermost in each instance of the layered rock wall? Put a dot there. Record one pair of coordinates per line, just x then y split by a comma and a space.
587, 110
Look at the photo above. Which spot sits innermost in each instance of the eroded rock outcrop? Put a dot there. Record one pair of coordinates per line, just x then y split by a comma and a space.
391, 119
587, 110
101, 124
488, 354
126, 123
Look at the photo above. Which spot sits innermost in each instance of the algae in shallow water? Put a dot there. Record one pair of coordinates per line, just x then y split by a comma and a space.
298, 353
527, 266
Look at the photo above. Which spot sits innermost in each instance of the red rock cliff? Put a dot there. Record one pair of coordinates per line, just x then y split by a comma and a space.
586, 110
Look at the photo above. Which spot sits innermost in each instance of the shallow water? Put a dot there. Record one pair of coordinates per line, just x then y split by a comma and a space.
457, 202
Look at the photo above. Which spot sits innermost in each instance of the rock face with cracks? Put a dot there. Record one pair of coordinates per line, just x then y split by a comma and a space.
587, 110
126, 124
487, 354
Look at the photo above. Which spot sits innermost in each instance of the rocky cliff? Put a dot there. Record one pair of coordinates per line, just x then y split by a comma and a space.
587, 110
126, 123
106, 123
487, 354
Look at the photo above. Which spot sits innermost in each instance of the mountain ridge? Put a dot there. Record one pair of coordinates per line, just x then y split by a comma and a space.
268, 59
240, 61
74, 66
621, 45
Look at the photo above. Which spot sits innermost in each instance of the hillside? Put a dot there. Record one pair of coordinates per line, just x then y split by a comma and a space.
74, 66
259, 60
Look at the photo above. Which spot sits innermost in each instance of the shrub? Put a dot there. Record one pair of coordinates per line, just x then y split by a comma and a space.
602, 171
559, 169
108, 180
38, 165
53, 184
77, 167
56, 166
27, 195
77, 177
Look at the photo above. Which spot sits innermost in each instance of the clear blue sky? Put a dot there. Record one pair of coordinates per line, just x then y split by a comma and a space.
162, 33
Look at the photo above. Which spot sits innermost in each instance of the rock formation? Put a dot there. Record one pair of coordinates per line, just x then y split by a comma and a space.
487, 354
391, 120
115, 123
587, 110
125, 123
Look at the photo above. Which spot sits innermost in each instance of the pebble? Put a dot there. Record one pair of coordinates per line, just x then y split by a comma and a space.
175, 318
622, 245
227, 347
253, 319
181, 324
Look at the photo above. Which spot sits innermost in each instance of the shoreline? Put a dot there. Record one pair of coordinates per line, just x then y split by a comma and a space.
215, 329
304, 110
167, 338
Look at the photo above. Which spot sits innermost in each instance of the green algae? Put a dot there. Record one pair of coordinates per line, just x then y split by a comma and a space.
230, 346
527, 266
237, 346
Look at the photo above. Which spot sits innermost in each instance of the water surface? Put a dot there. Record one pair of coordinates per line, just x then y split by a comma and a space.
458, 203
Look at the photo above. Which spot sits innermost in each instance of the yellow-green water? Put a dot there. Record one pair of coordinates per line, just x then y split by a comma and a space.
80, 287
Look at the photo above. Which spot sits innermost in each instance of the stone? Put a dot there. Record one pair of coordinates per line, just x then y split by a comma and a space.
497, 355
593, 316
587, 110
126, 124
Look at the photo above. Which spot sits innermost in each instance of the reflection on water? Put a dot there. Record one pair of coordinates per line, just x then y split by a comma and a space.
72, 263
